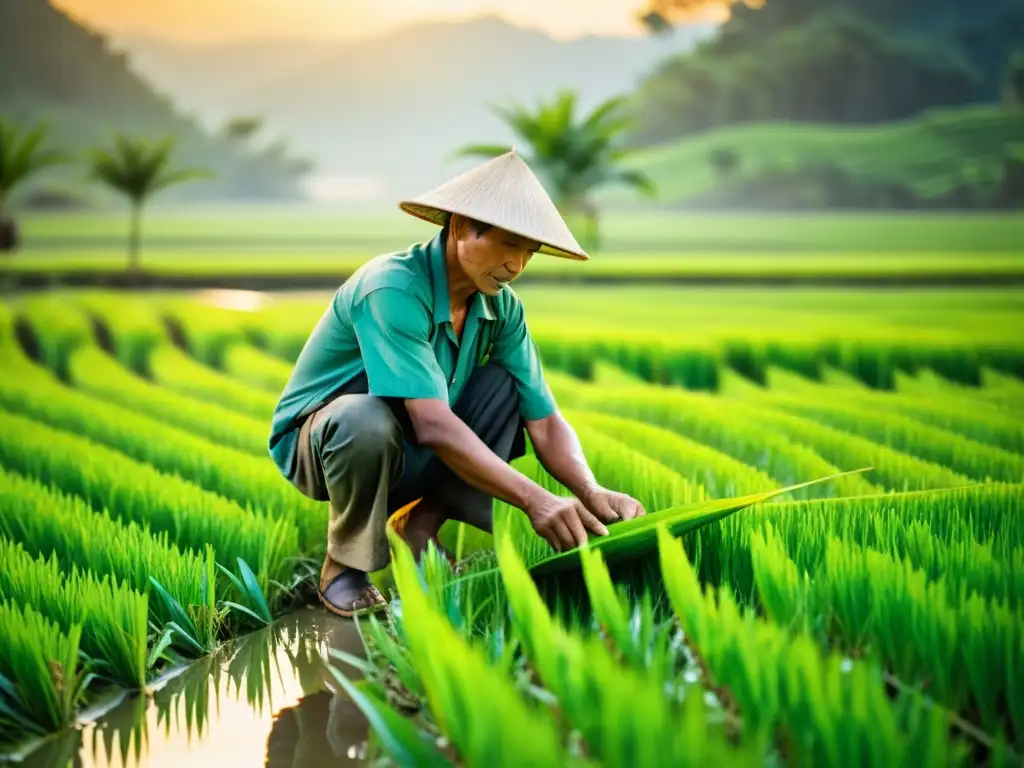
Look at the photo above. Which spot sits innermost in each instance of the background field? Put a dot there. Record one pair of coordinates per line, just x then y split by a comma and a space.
304, 247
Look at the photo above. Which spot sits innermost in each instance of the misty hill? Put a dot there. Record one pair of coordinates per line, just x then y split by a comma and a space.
54, 69
960, 157
834, 61
394, 107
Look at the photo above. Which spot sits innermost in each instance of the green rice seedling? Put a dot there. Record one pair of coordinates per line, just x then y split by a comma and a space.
655, 359
695, 417
204, 330
402, 740
137, 492
962, 646
112, 616
630, 630
93, 371
825, 709
127, 327
617, 465
1001, 389
986, 425
256, 368
475, 705
245, 479
608, 374
176, 371
45, 521
624, 715
876, 362
41, 683
55, 331
977, 461
630, 540
719, 474
895, 470
935, 529
735, 384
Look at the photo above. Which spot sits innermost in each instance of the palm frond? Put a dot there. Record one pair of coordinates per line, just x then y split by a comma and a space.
22, 157
138, 168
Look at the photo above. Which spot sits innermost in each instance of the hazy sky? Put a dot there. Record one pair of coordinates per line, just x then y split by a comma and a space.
215, 20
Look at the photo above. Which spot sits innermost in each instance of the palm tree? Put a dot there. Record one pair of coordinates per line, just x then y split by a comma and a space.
573, 158
138, 170
20, 158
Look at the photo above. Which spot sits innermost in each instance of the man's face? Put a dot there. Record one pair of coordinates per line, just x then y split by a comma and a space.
492, 259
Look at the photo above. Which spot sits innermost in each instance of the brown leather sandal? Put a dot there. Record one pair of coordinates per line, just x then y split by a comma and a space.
369, 600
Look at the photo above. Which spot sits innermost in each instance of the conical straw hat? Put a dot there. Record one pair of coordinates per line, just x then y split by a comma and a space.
505, 193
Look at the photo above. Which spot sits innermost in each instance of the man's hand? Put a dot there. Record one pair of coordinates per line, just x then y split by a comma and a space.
564, 522
612, 506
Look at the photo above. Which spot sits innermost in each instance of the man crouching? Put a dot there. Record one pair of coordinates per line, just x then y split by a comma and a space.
420, 382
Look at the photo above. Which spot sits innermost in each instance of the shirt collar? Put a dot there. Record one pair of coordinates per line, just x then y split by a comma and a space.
481, 305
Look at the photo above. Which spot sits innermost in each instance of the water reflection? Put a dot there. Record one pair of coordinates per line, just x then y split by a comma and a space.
266, 699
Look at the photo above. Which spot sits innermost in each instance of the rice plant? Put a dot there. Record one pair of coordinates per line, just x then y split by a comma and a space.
894, 470
256, 368
245, 479
112, 616
786, 461
965, 647
55, 331
825, 710
41, 681
93, 371
137, 492
977, 461
719, 474
127, 327
178, 372
983, 520
46, 522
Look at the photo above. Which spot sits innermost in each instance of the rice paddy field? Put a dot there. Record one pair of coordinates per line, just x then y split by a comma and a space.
831, 572
317, 247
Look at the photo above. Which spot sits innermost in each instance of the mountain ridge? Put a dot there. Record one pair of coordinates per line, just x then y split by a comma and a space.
371, 108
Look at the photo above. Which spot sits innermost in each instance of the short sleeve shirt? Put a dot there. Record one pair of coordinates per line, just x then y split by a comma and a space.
392, 321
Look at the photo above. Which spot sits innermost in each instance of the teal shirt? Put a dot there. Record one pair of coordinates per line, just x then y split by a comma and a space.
392, 320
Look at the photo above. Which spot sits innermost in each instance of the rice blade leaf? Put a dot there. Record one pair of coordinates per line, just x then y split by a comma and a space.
246, 611
254, 591
158, 648
402, 740
634, 538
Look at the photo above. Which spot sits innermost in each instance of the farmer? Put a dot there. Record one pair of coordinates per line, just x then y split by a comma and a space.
417, 386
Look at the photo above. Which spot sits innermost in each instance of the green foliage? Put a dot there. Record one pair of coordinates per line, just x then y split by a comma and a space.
913, 163
242, 479
46, 521
572, 156
137, 492
835, 61
87, 88
40, 680
22, 156
112, 616
828, 708
1013, 87
138, 169
95, 372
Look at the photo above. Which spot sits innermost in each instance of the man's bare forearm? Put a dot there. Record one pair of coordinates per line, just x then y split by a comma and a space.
469, 457
558, 448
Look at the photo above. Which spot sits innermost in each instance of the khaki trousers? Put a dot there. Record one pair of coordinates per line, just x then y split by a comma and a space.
358, 451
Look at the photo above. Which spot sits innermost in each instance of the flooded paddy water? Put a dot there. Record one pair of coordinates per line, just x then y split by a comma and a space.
264, 699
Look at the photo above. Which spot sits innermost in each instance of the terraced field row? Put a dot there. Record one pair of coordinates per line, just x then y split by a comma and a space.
141, 523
